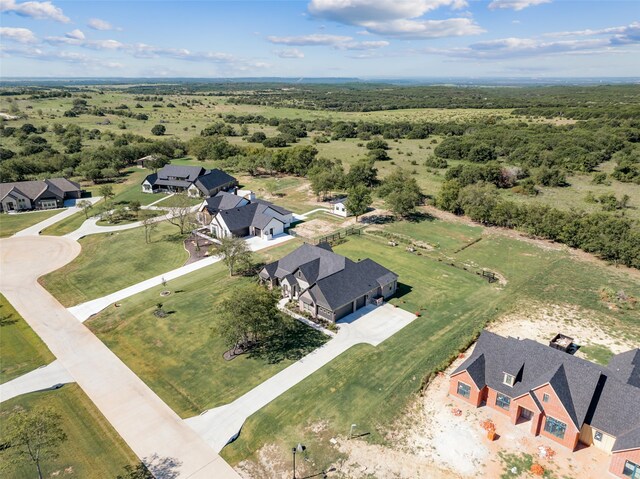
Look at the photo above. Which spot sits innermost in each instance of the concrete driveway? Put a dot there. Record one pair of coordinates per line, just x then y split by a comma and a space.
152, 429
45, 377
370, 325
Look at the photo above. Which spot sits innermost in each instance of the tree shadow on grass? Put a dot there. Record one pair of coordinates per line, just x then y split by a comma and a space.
419, 217
7, 320
294, 341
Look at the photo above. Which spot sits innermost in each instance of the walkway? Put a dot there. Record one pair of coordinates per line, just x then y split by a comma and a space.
37, 228
369, 325
303, 216
46, 377
150, 427
85, 310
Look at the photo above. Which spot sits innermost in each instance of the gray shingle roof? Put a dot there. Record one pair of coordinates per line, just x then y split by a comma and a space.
223, 201
334, 280
338, 200
626, 366
242, 217
188, 173
589, 392
213, 179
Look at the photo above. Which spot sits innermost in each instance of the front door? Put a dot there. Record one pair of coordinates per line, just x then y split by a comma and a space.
525, 414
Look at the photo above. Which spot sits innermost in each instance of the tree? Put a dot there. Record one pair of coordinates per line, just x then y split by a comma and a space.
158, 130
377, 144
180, 215
447, 198
401, 193
378, 155
139, 471
235, 254
106, 191
149, 225
34, 435
363, 172
478, 201
358, 200
85, 206
134, 207
249, 315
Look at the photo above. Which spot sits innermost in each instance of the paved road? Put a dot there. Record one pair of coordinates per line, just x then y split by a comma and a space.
46, 377
143, 420
84, 311
368, 325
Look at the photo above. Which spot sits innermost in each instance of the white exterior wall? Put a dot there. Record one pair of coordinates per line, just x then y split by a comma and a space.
20, 202
146, 187
193, 191
340, 209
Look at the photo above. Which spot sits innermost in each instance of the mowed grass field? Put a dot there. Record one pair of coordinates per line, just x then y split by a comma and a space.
93, 449
371, 387
10, 224
21, 350
112, 261
180, 356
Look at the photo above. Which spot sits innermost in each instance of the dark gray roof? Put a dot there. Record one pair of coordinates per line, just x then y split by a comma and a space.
334, 280
214, 179
626, 366
187, 173
152, 178
276, 208
242, 217
64, 185
338, 200
589, 392
223, 201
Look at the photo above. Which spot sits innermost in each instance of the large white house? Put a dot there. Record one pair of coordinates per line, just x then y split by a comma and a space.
241, 214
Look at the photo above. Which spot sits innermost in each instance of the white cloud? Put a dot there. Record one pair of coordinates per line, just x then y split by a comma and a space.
75, 34
98, 24
451, 27
289, 53
338, 42
515, 4
37, 10
622, 34
20, 35
397, 18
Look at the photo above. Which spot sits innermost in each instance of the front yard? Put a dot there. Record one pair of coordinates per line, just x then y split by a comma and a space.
93, 449
112, 261
22, 350
12, 223
180, 356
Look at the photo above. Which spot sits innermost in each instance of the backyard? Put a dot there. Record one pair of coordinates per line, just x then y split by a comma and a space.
22, 350
181, 356
93, 449
112, 261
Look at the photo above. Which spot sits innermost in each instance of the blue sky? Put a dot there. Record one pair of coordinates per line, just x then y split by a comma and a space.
320, 38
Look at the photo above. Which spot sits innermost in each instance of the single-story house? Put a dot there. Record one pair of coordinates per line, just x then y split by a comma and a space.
194, 180
238, 214
37, 195
564, 398
339, 207
327, 285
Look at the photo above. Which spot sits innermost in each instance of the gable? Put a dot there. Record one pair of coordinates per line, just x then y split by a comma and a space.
554, 407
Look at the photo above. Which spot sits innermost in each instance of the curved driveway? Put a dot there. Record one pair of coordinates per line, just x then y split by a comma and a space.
152, 429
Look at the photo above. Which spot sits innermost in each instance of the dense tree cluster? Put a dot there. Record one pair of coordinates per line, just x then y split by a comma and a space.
612, 238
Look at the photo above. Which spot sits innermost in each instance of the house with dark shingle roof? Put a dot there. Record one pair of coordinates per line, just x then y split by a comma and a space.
327, 285
238, 214
194, 180
565, 398
37, 195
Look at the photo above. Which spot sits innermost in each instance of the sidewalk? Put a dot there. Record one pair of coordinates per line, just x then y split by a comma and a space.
37, 228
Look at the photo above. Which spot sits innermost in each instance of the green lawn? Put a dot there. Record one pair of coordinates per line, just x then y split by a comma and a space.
444, 237
372, 386
112, 261
10, 224
132, 218
67, 225
175, 200
21, 348
93, 449
180, 357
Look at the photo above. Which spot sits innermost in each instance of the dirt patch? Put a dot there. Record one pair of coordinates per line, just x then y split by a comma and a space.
541, 322
198, 248
316, 227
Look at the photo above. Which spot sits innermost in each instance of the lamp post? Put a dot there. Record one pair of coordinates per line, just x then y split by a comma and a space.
298, 448
353, 426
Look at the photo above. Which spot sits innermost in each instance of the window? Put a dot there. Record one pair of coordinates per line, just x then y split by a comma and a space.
503, 401
597, 436
545, 397
631, 470
508, 379
555, 427
464, 390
